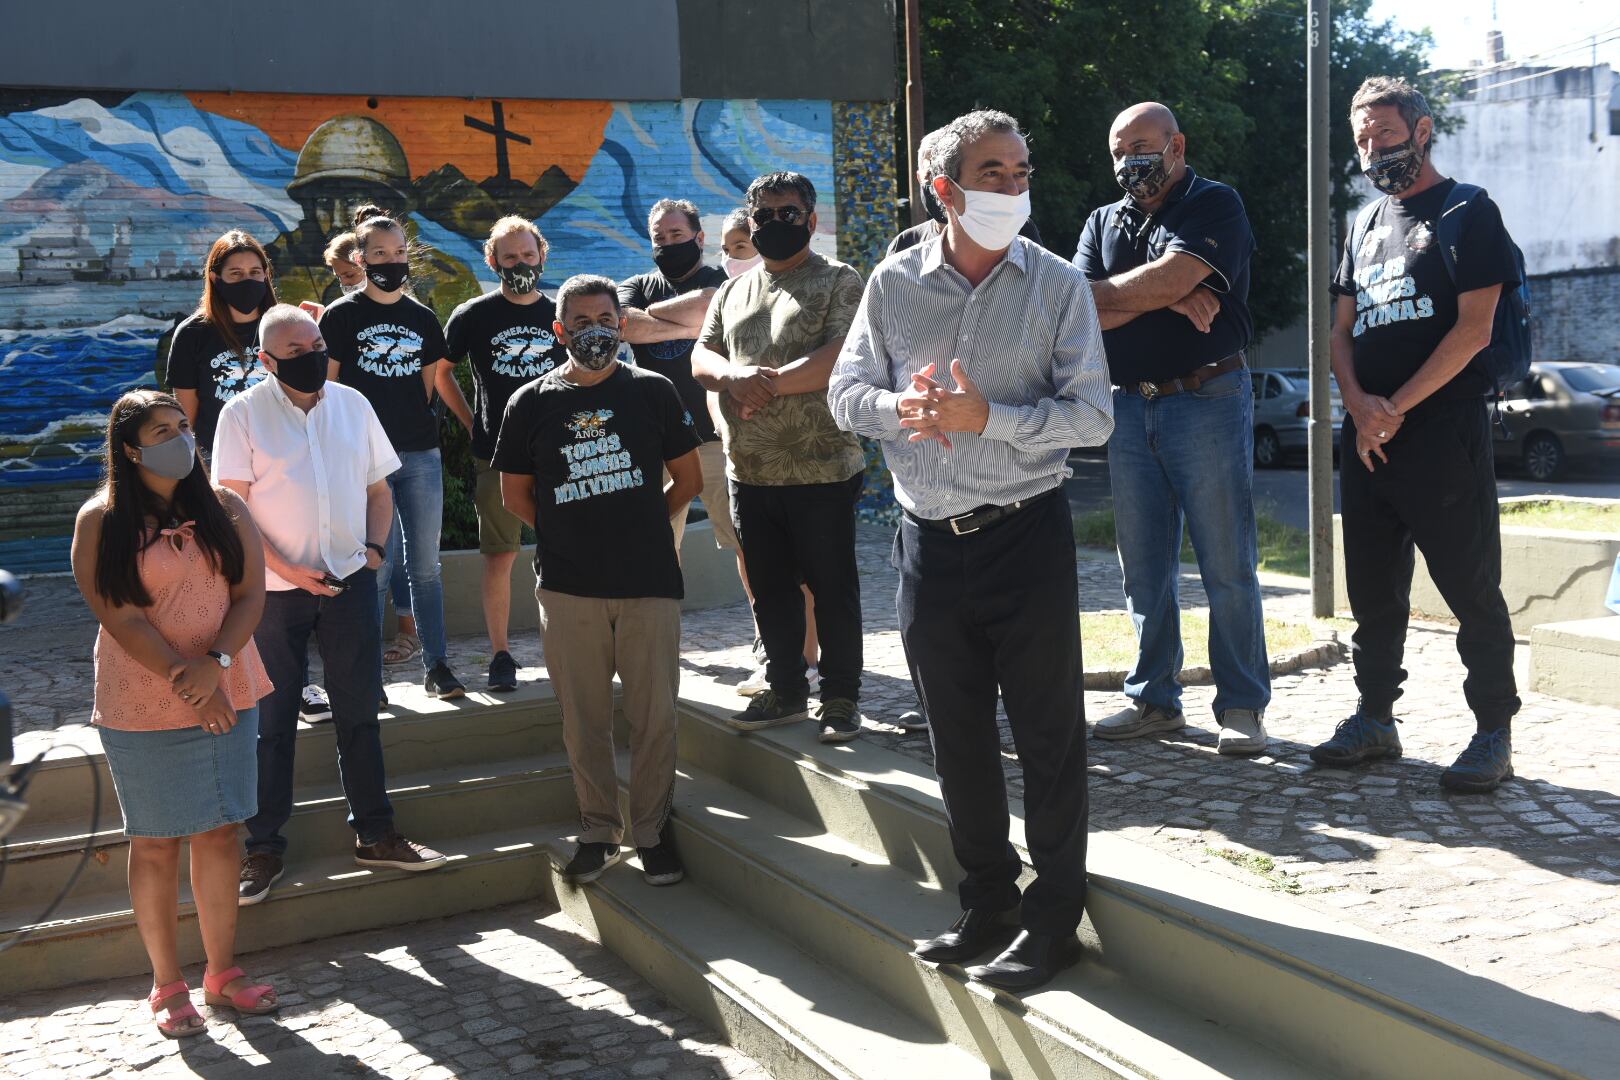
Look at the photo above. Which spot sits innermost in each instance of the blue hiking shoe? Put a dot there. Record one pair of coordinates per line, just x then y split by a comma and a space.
1357, 739
1486, 763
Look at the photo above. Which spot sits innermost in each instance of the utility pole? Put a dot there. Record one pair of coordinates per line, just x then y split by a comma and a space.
1318, 33
914, 106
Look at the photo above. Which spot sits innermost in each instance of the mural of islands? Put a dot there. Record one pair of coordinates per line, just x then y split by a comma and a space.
108, 203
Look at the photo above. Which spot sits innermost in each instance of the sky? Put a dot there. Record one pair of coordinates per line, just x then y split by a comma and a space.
1528, 27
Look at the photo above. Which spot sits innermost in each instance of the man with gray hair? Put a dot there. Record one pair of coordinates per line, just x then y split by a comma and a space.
311, 461
926, 171
976, 360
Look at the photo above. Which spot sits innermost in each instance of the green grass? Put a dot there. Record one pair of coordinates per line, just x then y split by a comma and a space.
1283, 548
1109, 640
1261, 866
1561, 514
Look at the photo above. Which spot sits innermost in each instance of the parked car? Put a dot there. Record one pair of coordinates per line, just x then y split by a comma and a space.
1563, 412
1282, 410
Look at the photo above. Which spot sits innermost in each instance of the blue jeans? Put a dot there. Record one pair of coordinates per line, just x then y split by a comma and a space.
1189, 458
413, 542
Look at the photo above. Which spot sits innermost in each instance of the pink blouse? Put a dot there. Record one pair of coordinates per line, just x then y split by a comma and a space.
190, 599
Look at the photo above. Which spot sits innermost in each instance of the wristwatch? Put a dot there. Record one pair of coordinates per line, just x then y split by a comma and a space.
382, 552
223, 658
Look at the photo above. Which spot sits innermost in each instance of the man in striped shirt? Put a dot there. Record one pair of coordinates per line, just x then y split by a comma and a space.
976, 359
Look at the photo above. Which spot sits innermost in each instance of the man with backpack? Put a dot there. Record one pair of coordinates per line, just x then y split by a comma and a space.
1418, 348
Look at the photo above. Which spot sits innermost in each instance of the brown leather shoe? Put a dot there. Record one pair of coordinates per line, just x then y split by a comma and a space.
259, 872
398, 853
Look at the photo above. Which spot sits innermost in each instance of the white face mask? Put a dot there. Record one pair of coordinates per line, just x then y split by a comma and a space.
741, 266
992, 219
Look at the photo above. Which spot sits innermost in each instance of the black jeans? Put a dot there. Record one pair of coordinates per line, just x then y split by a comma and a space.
1437, 492
349, 640
803, 534
1000, 609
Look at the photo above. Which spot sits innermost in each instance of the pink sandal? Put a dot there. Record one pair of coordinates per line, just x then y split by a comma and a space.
248, 1001
173, 1026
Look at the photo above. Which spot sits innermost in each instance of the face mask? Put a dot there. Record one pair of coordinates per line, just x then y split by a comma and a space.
347, 289
521, 279
930, 203
172, 460
677, 260
246, 295
1394, 170
305, 372
992, 219
741, 266
778, 240
594, 347
389, 277
1143, 176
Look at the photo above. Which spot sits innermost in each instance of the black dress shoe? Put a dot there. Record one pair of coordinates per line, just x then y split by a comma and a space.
1030, 961
968, 936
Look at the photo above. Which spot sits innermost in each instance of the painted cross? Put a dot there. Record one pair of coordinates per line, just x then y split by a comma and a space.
503, 134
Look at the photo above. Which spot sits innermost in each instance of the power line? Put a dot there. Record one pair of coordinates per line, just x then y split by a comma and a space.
1584, 42
1545, 72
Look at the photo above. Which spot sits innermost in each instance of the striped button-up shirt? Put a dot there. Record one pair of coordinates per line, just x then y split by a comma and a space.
1028, 336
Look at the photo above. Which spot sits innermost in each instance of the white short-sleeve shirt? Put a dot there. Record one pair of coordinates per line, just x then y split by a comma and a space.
307, 472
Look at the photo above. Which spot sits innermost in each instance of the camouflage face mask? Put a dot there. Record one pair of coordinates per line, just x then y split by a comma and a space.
521, 278
594, 347
1143, 176
1395, 169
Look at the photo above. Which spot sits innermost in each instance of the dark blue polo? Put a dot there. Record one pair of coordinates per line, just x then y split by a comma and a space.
1203, 218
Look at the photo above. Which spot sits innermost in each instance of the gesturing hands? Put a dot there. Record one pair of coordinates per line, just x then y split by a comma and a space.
932, 411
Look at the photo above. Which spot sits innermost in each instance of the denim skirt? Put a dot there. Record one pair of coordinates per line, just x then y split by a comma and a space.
185, 781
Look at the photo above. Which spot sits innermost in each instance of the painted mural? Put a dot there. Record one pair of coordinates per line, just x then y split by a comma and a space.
108, 203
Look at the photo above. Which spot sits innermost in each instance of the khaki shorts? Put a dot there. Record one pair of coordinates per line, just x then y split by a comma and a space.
499, 530
716, 499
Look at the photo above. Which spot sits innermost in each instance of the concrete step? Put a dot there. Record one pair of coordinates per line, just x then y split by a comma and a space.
1348, 1003
1577, 660
800, 1019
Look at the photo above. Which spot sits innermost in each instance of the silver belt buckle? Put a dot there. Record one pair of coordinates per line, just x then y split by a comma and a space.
957, 529
1148, 390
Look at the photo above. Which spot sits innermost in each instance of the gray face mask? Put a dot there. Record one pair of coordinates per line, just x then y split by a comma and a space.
595, 347
172, 460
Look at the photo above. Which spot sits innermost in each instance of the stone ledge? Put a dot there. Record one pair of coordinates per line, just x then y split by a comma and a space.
1318, 654
1577, 660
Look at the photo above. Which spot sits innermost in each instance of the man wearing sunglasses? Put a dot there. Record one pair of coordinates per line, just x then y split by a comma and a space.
767, 348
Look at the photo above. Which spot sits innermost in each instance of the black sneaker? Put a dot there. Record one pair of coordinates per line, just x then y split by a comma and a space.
442, 683
591, 861
661, 865
382, 700
1359, 738
770, 709
1485, 764
502, 672
259, 871
839, 719
315, 709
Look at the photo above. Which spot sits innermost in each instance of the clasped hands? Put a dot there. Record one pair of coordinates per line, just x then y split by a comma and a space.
196, 682
1377, 421
933, 412
751, 389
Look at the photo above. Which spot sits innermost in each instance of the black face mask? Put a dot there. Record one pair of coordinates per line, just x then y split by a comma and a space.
1395, 169
389, 277
521, 278
305, 372
246, 295
677, 260
777, 240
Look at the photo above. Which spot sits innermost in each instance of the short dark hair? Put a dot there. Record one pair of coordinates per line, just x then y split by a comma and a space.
685, 206
584, 285
783, 183
1393, 90
954, 137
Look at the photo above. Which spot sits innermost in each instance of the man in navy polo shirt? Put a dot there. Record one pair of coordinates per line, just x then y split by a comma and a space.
1169, 265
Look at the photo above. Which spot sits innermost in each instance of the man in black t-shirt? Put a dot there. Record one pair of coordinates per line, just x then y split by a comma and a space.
664, 310
1409, 334
508, 340
1169, 266
581, 452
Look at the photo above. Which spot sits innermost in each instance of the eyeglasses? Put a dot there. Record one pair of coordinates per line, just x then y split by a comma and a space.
790, 214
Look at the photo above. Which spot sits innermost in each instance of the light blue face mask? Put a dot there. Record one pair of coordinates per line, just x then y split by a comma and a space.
173, 459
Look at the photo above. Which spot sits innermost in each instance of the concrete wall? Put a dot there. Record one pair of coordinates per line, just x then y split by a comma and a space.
1573, 315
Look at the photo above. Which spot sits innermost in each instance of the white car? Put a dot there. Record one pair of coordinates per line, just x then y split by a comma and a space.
1282, 410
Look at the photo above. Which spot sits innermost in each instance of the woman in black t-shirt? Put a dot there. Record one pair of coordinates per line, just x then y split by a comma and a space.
390, 347
213, 356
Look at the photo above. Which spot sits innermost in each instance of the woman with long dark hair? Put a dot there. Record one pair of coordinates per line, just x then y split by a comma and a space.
173, 569
214, 354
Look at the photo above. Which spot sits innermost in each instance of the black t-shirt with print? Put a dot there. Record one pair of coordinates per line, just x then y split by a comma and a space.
380, 350
1406, 302
200, 360
597, 454
508, 345
673, 359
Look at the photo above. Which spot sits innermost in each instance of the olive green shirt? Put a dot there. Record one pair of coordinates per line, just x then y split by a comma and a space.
760, 319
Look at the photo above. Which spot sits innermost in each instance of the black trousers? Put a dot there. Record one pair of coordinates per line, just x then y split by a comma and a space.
1437, 493
999, 609
803, 534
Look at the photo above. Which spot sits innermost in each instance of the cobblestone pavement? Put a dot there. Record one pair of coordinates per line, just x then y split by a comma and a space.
512, 991
1518, 886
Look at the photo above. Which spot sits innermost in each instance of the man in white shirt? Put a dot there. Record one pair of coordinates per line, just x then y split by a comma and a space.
311, 461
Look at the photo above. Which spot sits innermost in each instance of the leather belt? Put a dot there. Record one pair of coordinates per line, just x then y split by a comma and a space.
1190, 381
981, 517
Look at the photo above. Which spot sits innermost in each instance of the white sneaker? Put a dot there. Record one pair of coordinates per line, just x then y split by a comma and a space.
315, 708
1137, 720
1243, 733
755, 683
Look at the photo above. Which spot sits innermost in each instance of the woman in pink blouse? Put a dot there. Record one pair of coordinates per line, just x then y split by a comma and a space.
173, 569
